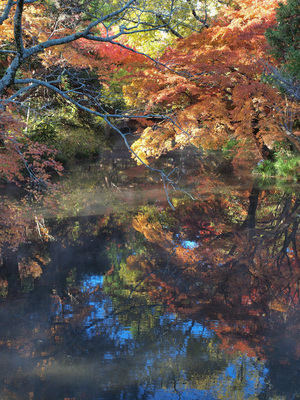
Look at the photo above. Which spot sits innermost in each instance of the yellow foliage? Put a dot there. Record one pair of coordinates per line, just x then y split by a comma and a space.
152, 143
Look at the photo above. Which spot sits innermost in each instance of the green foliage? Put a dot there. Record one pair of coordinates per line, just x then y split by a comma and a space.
266, 168
44, 131
284, 38
130, 276
73, 133
174, 20
230, 148
286, 165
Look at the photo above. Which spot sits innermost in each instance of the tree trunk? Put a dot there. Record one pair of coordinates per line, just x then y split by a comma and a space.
266, 153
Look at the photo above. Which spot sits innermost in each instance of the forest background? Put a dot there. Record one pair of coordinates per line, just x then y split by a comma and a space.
219, 77
214, 75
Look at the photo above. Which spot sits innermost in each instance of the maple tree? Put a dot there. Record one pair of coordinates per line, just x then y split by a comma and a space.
210, 85
215, 89
52, 50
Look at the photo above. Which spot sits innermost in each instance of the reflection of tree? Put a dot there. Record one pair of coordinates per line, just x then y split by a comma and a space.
69, 349
244, 276
268, 250
19, 257
187, 301
248, 272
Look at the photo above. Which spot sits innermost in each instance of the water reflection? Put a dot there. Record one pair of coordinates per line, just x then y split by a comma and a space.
149, 303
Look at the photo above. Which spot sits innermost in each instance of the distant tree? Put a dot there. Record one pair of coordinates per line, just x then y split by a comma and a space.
284, 39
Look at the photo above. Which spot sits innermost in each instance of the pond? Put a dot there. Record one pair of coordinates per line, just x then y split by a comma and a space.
118, 296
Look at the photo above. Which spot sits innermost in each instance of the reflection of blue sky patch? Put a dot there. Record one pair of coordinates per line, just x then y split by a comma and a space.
188, 244
200, 330
68, 311
167, 318
125, 334
102, 307
91, 282
196, 330
108, 356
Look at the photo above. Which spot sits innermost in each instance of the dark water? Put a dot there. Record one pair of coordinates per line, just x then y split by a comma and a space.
120, 297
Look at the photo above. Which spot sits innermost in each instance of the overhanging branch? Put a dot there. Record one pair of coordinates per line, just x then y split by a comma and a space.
166, 178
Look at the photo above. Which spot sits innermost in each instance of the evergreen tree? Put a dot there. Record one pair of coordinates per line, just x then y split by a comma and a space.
284, 38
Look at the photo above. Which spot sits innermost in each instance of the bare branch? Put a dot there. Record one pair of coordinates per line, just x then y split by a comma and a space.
169, 28
24, 54
166, 178
8, 52
195, 15
290, 85
5, 13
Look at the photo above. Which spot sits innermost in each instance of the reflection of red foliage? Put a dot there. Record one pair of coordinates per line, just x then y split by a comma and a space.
243, 346
241, 278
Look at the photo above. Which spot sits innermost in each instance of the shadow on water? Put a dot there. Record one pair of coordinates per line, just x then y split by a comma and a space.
127, 299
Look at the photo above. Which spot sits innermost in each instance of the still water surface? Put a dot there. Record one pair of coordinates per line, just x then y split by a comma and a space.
132, 300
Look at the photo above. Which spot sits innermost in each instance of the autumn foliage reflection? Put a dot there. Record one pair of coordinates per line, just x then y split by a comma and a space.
234, 261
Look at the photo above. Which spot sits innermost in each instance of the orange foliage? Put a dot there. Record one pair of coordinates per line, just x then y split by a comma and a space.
35, 24
213, 87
